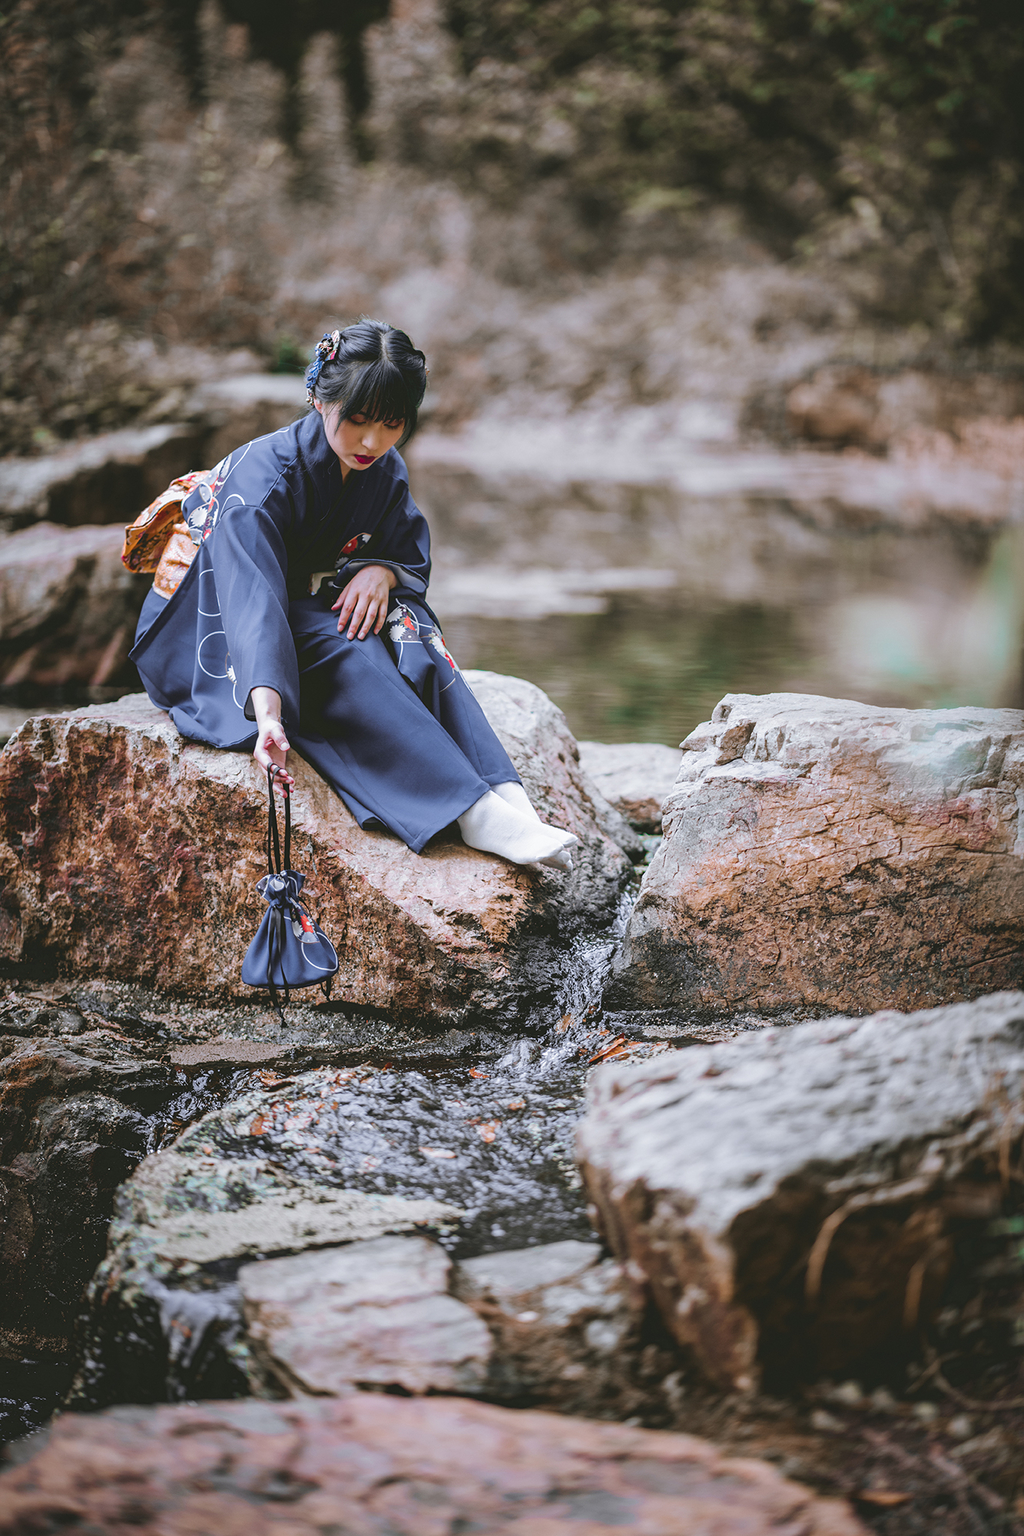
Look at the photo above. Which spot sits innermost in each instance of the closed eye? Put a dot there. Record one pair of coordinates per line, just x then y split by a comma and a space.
361, 421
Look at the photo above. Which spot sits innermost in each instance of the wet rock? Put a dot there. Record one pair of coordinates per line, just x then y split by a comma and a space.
634, 777
801, 829
381, 1464
319, 1158
374, 1313
564, 1323
236, 1052
127, 852
789, 1197
164, 1313
68, 607
96, 480
74, 1122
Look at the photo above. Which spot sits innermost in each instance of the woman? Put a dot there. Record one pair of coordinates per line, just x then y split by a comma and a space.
309, 544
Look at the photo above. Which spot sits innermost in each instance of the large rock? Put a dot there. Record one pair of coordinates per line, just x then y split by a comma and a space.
68, 607
313, 1160
128, 852
633, 776
373, 1313
75, 1111
378, 1465
98, 480
164, 1309
111, 477
790, 1197
825, 854
240, 407
547, 1326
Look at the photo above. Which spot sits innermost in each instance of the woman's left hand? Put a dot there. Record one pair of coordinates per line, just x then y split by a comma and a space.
363, 605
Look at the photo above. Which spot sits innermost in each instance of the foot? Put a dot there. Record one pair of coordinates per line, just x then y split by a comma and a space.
494, 826
515, 795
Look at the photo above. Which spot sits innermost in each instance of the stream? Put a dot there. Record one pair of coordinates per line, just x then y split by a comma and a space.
481, 1122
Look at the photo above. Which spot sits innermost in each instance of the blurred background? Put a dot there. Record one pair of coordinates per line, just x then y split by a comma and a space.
722, 301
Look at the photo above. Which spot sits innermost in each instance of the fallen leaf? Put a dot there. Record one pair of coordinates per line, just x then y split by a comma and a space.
474, 1073
517, 1104
268, 1079
613, 1045
564, 1022
258, 1126
487, 1129
436, 1152
885, 1498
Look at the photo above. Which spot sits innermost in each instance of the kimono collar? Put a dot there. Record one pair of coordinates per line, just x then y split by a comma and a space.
319, 459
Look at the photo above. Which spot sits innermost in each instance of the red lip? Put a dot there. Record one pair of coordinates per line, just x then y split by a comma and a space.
360, 459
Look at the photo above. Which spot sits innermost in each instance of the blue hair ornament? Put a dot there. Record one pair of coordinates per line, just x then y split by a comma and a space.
325, 351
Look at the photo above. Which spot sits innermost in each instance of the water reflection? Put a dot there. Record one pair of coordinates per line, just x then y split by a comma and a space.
637, 606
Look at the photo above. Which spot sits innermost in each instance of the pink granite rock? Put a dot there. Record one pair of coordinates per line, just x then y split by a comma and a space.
126, 851
375, 1465
832, 855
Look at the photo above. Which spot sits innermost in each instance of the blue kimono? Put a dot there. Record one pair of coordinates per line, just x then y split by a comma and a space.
388, 721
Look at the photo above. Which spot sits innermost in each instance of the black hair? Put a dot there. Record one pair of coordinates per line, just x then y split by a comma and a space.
375, 372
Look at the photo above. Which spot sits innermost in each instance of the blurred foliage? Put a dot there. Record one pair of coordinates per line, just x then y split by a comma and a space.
289, 356
143, 164
159, 159
60, 209
889, 131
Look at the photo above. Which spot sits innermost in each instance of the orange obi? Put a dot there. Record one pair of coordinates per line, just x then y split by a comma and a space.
159, 539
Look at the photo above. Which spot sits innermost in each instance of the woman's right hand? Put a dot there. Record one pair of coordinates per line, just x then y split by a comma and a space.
271, 749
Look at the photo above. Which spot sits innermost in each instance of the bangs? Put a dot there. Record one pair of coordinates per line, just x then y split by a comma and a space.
380, 393
373, 371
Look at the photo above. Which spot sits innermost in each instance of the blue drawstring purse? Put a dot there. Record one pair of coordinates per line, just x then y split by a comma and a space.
289, 949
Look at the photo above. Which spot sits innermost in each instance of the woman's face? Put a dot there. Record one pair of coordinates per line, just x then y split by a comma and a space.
358, 441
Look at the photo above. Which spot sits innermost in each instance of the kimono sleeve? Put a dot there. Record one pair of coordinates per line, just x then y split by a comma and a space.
401, 542
250, 563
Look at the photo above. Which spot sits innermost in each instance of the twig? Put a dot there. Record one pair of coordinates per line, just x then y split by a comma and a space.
890, 1194
977, 1404
915, 1284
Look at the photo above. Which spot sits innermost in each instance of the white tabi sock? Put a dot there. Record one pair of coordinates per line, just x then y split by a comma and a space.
493, 826
515, 795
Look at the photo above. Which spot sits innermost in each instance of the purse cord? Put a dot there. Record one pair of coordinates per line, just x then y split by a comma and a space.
275, 867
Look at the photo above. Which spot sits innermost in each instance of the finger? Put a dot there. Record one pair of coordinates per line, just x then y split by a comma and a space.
346, 611
346, 602
382, 613
357, 617
283, 780
372, 609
